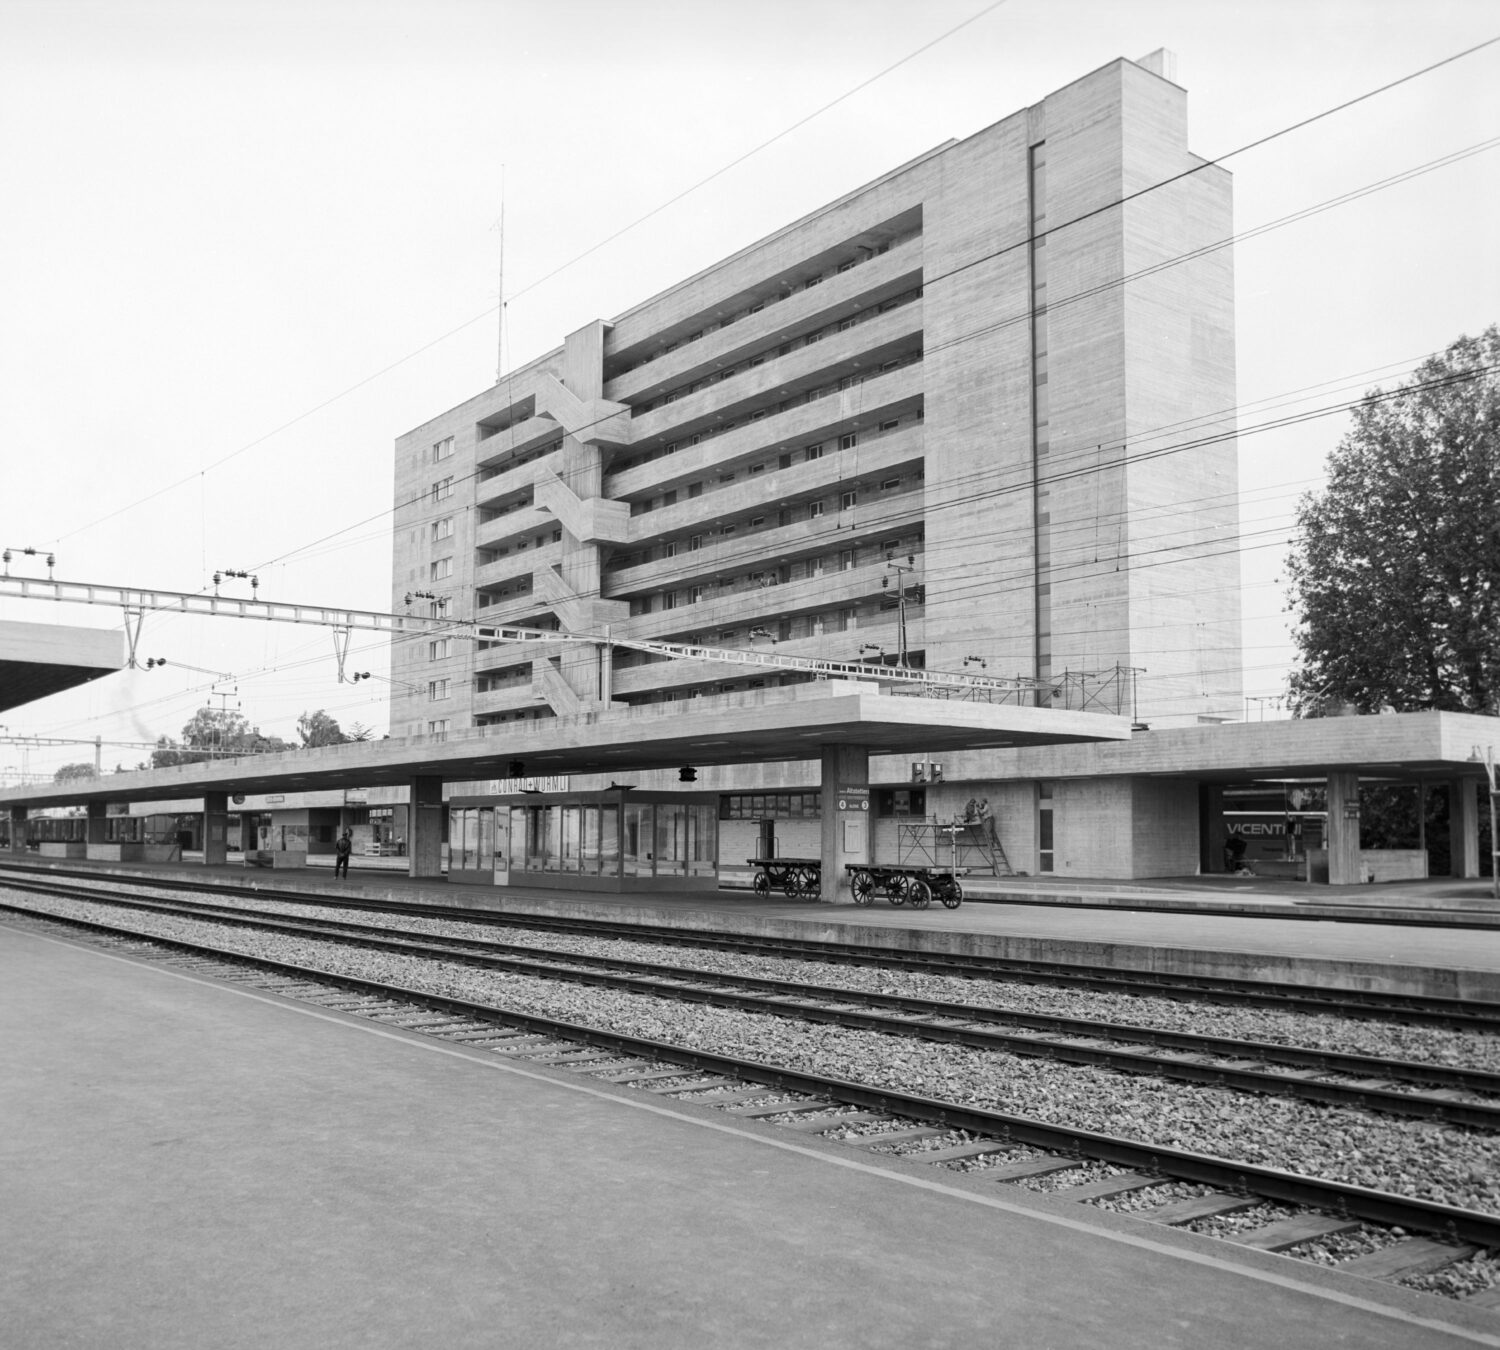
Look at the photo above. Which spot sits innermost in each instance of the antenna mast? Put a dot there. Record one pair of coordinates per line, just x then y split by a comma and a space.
500, 335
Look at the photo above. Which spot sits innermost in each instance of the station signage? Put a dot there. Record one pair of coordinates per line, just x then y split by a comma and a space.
853, 798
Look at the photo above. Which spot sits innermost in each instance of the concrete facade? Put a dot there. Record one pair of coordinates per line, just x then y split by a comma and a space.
976, 409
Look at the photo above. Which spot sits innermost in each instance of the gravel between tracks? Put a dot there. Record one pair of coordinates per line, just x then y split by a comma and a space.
1413, 1158
1315, 1031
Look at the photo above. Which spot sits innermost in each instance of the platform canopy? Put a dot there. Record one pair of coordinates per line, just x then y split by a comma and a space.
1395, 746
788, 723
40, 659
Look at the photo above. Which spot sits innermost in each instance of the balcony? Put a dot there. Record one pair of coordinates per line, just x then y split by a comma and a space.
868, 284
516, 478
515, 698
508, 529
825, 536
859, 407
862, 347
876, 456
519, 563
746, 603
526, 435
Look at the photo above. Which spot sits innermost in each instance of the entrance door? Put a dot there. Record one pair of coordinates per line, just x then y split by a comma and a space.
767, 839
502, 846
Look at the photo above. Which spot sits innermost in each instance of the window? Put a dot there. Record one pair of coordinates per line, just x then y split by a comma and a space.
890, 484
848, 440
695, 542
697, 594
439, 649
756, 522
669, 498
845, 325
438, 689
846, 559
810, 283
438, 727
695, 489
669, 599
784, 461
845, 266
890, 546
891, 425
442, 489
438, 609
440, 568
756, 468
814, 510
848, 500
669, 549
813, 452
442, 450
901, 802
442, 529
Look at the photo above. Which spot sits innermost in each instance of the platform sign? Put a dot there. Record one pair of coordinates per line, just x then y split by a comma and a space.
854, 798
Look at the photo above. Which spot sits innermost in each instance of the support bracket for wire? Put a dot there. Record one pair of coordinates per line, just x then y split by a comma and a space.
134, 614
341, 648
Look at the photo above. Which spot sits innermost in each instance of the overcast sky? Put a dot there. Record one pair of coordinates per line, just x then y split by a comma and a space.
244, 246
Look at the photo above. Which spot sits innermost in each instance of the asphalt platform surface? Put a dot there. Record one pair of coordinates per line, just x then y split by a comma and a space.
185, 1165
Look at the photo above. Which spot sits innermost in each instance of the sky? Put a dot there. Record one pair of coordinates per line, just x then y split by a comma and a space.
244, 246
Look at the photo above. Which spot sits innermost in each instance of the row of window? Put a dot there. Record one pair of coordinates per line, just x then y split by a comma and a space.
785, 459
784, 288
777, 350
785, 405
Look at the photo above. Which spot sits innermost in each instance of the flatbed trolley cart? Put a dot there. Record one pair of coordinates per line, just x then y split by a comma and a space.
906, 884
794, 876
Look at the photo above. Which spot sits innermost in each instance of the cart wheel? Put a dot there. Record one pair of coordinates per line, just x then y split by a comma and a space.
812, 882
895, 889
862, 885
789, 881
918, 893
953, 894
762, 884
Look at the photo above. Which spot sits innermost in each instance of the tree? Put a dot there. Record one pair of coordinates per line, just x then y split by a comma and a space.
1395, 578
72, 773
319, 728
212, 734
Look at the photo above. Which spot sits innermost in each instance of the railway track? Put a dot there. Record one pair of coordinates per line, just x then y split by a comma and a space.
1440, 1092
1421, 1235
1414, 1010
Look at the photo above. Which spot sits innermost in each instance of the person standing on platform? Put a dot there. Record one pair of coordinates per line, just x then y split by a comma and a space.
341, 852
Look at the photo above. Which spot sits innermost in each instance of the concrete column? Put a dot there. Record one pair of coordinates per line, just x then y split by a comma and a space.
1343, 829
424, 835
1463, 827
848, 833
98, 813
18, 830
215, 829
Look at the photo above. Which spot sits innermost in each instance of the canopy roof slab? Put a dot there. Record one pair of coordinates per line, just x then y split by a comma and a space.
40, 659
1393, 746
788, 723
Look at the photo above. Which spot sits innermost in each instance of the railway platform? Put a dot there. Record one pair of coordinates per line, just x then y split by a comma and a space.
186, 1164
1453, 960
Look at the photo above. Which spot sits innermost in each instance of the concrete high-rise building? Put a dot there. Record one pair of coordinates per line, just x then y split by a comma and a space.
980, 409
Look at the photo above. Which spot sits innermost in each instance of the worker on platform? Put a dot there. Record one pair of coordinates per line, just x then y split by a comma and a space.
341, 852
